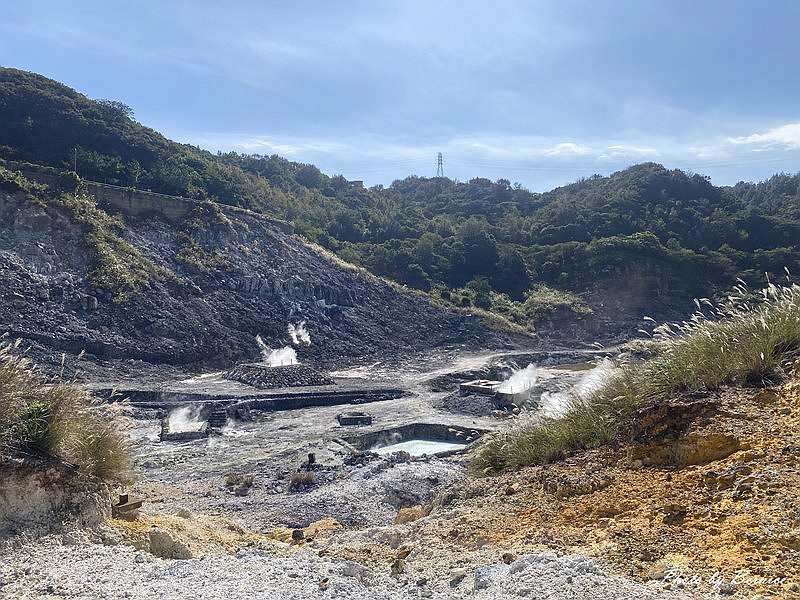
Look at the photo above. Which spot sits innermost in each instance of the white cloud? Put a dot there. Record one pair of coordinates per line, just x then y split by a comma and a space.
617, 150
504, 149
542, 162
567, 148
259, 144
786, 135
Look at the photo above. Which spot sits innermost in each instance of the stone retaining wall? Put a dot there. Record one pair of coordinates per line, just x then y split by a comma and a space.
265, 377
133, 202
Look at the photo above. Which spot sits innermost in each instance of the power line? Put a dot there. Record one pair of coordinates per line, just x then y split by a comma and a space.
577, 170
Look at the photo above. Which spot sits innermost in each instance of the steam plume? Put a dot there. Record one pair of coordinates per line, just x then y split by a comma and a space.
282, 357
299, 334
185, 418
521, 380
555, 404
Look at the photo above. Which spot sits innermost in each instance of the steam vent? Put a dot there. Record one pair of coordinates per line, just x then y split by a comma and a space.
263, 376
511, 397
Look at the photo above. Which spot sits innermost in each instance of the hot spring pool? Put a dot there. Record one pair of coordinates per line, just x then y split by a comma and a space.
418, 447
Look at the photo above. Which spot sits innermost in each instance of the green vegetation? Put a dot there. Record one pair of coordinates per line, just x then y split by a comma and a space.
539, 303
190, 252
116, 265
53, 418
740, 342
13, 182
673, 234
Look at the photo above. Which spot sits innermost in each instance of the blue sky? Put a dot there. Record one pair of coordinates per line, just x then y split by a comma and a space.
536, 92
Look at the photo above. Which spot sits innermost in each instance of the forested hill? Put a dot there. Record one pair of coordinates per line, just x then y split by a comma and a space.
639, 241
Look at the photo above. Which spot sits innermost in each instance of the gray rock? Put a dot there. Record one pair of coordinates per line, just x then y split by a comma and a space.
164, 545
457, 576
727, 588
76, 538
353, 569
485, 576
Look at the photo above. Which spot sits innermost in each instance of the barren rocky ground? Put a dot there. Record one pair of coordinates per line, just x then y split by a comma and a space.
364, 492
82, 570
711, 513
266, 279
717, 507
617, 523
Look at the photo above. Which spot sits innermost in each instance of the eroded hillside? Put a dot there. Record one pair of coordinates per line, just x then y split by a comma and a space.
713, 507
123, 289
588, 259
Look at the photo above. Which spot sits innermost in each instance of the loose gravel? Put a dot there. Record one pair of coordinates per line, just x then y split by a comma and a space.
47, 569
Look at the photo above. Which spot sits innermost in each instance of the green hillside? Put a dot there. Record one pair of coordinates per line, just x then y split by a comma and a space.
645, 239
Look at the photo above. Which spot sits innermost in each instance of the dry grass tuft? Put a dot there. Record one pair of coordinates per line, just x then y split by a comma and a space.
744, 340
239, 484
56, 419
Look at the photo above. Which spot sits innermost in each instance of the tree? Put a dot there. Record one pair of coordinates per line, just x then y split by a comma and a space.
511, 275
474, 253
426, 251
482, 290
417, 277
310, 177
347, 225
117, 111
133, 171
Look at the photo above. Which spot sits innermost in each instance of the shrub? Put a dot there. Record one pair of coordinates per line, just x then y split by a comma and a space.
737, 342
481, 290
581, 427
56, 419
116, 265
15, 181
11, 181
239, 484
741, 341
103, 451
543, 301
194, 256
301, 479
69, 181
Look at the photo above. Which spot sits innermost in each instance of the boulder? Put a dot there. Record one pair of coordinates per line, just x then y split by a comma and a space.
485, 576
410, 513
165, 545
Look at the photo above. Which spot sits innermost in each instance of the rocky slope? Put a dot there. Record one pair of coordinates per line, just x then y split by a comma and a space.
54, 570
37, 493
709, 501
211, 285
702, 505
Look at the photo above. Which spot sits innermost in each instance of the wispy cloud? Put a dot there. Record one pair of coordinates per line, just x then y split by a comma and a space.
567, 148
291, 147
629, 150
501, 148
508, 147
273, 49
544, 161
787, 135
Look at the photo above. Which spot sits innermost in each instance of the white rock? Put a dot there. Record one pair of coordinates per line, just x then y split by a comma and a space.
485, 576
352, 569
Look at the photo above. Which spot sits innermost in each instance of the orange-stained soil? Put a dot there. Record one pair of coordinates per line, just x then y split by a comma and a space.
735, 517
